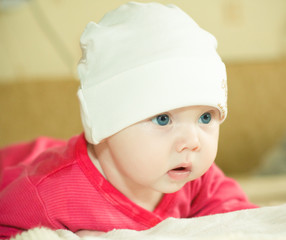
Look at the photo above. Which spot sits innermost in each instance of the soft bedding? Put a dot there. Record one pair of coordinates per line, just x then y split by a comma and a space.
261, 224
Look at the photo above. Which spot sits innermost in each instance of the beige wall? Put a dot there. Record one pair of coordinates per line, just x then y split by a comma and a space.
40, 38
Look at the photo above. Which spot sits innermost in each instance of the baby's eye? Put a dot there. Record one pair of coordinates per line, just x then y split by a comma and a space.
205, 118
161, 120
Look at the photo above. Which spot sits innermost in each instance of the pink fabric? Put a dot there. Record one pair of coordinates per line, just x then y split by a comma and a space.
54, 184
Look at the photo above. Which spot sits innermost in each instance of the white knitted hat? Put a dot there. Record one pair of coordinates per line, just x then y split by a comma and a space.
143, 59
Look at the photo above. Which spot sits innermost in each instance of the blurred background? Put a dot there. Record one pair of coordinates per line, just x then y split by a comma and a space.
39, 52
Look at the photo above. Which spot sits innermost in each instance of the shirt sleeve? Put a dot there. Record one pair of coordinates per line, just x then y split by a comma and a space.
21, 209
216, 193
15, 215
20, 205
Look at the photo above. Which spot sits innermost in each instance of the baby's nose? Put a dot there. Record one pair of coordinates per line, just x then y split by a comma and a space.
188, 139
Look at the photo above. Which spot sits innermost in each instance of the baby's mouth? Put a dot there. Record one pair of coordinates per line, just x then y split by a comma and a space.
180, 172
181, 169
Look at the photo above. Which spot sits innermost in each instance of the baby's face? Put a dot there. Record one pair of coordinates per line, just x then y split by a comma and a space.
164, 152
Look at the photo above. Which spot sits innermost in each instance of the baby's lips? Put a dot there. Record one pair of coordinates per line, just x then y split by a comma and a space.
187, 166
180, 172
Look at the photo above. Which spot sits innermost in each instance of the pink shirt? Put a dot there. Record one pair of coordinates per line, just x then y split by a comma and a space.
53, 183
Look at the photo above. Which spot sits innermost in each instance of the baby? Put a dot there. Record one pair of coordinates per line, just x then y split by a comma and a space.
153, 95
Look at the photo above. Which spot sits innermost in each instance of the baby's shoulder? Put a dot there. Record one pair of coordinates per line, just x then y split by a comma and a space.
53, 161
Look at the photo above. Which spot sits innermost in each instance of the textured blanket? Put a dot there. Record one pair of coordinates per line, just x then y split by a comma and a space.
255, 224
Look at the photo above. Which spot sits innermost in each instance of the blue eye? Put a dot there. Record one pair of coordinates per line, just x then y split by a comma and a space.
205, 118
161, 120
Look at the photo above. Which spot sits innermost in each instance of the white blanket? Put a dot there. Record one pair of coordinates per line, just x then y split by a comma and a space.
267, 223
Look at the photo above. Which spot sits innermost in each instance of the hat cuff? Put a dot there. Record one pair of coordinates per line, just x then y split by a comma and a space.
150, 89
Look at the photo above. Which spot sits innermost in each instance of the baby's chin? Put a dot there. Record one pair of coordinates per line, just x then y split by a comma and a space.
173, 187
